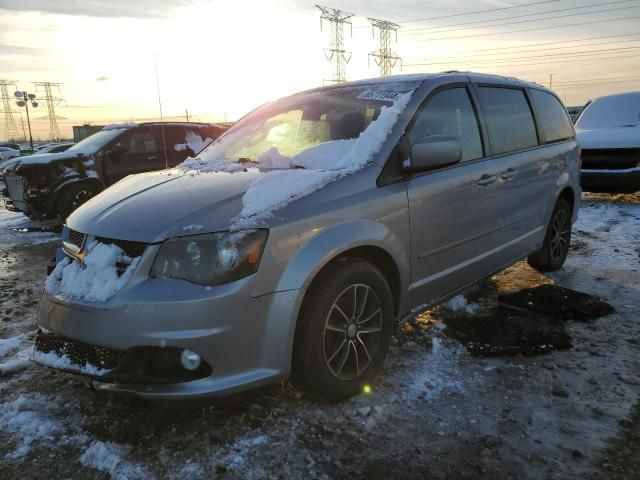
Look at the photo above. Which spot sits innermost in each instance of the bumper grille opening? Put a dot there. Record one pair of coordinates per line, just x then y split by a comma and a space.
610, 159
131, 249
76, 238
79, 353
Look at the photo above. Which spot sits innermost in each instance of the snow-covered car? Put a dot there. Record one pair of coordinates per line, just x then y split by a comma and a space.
608, 130
293, 244
8, 153
49, 186
54, 148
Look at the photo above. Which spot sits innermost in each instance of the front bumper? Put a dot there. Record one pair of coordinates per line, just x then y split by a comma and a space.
246, 341
610, 181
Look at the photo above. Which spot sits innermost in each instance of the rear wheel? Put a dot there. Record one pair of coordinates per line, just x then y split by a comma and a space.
73, 196
343, 332
554, 251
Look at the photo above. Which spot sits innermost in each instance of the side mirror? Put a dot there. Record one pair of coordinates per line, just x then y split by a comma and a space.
434, 151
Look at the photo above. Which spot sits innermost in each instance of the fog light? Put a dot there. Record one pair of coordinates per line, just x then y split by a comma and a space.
190, 360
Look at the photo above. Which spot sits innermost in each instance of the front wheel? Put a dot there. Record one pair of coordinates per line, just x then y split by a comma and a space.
555, 248
72, 197
343, 332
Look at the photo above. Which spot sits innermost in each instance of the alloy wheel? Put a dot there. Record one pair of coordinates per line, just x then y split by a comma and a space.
559, 235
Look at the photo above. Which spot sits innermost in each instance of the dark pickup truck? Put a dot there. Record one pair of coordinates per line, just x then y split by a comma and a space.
51, 186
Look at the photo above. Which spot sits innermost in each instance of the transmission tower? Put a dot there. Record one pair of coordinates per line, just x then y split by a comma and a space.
10, 126
54, 130
384, 57
336, 52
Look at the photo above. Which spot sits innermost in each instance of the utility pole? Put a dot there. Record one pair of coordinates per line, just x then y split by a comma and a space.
24, 98
186, 112
10, 126
336, 52
550, 80
384, 57
54, 131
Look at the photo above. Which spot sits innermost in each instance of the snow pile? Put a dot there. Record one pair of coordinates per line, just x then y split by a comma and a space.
53, 360
275, 189
107, 457
9, 344
17, 363
95, 280
459, 304
194, 142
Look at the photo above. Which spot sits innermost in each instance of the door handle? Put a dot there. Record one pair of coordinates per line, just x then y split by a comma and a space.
152, 157
508, 173
487, 179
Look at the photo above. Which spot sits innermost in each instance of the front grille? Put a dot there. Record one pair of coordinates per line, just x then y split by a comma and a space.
611, 158
76, 238
130, 248
79, 353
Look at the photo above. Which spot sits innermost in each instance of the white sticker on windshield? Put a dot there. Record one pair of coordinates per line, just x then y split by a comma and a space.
379, 95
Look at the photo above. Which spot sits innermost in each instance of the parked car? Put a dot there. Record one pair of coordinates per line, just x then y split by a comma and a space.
51, 186
294, 244
608, 130
54, 148
7, 153
11, 145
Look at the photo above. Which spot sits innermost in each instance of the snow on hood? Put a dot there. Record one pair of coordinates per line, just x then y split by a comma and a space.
621, 137
37, 159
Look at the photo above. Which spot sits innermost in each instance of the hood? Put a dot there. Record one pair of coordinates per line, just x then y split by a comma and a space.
151, 207
38, 159
618, 137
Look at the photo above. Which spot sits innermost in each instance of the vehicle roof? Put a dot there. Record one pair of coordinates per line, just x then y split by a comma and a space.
114, 126
618, 95
421, 77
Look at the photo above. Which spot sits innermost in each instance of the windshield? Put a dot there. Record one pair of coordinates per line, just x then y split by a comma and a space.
611, 112
96, 141
309, 130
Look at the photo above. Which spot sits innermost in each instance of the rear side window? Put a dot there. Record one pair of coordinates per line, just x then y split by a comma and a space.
451, 113
509, 119
554, 120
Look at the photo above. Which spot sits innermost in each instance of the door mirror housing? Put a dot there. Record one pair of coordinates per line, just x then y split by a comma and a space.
434, 151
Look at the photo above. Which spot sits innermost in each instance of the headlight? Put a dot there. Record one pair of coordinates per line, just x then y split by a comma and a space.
210, 259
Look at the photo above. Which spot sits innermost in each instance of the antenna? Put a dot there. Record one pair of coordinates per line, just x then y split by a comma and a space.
384, 57
164, 141
336, 51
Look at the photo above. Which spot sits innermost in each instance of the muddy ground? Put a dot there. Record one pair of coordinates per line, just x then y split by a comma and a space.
494, 386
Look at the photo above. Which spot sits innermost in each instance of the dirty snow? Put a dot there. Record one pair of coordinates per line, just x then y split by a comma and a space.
108, 457
17, 229
63, 362
95, 281
16, 363
460, 304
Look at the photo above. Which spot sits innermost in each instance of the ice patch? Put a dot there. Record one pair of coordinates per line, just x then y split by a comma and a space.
53, 360
107, 457
459, 304
14, 230
96, 280
236, 459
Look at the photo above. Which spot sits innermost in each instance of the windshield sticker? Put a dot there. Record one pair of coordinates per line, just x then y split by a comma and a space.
379, 95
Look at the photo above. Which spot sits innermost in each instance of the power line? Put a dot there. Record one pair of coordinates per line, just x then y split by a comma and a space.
54, 130
551, 55
463, 57
478, 11
336, 52
446, 27
385, 57
10, 126
529, 29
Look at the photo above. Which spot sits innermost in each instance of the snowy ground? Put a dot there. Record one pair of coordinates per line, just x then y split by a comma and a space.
436, 411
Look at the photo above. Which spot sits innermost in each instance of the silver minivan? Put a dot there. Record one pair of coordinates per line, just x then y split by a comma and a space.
293, 245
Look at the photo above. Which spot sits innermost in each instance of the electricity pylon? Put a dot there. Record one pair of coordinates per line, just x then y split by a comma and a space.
385, 57
10, 126
54, 130
336, 52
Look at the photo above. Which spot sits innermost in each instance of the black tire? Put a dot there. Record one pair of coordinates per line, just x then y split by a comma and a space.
73, 196
332, 344
555, 248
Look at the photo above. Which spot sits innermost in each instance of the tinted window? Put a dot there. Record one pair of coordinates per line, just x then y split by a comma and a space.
450, 112
142, 141
509, 119
554, 121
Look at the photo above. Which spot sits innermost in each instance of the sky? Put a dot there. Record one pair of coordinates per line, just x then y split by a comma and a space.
219, 59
